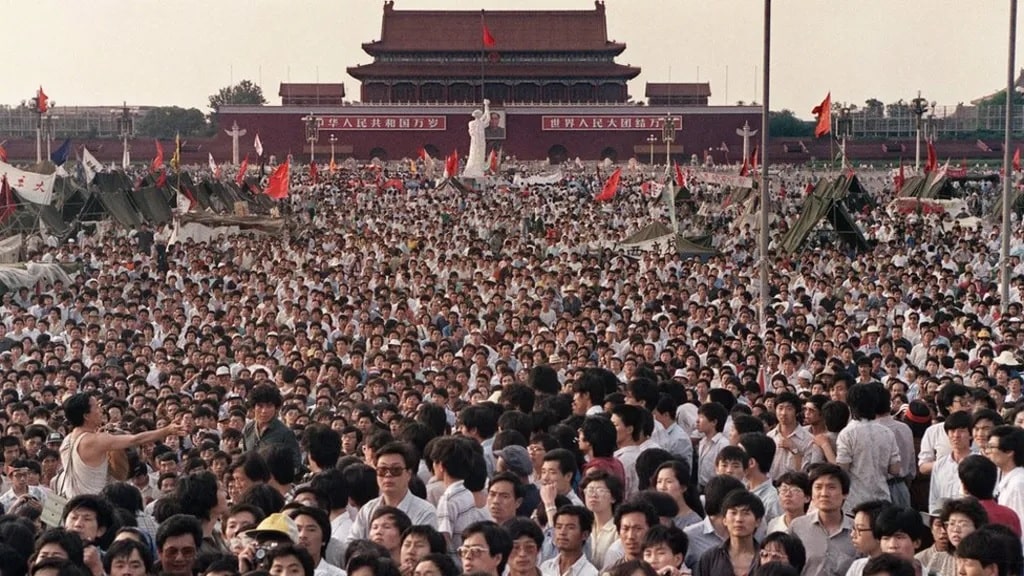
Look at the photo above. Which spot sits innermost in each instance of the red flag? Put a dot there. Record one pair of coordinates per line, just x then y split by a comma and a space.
824, 113
900, 179
240, 177
314, 174
162, 180
423, 154
42, 101
3, 154
7, 205
158, 161
753, 161
680, 178
492, 162
488, 38
451, 164
1016, 160
610, 187
277, 186
744, 169
932, 162
191, 198
808, 189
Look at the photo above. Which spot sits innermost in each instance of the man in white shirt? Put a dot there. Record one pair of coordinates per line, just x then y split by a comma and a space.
935, 444
572, 528
1006, 451
314, 529
711, 418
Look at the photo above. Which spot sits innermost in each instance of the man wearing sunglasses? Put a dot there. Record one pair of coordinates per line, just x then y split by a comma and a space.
395, 465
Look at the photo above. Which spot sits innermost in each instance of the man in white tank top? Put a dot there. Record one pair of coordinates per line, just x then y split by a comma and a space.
83, 453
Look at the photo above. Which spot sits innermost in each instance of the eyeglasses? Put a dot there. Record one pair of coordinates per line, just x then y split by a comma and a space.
773, 555
784, 490
471, 552
385, 471
958, 524
596, 491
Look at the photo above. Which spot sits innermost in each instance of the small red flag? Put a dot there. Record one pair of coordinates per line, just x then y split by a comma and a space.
162, 180
745, 169
933, 161
277, 186
753, 161
42, 101
824, 113
492, 162
3, 154
451, 164
240, 177
1016, 160
314, 174
900, 179
488, 38
680, 178
7, 205
158, 161
423, 154
610, 187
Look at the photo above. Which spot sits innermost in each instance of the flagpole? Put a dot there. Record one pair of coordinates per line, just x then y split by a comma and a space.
1004, 260
483, 55
766, 83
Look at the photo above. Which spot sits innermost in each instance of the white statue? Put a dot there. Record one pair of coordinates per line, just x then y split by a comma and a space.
476, 162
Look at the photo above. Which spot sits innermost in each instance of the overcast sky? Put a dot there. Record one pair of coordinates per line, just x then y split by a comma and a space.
149, 52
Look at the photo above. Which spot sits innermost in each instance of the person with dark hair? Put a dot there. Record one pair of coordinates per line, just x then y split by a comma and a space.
743, 423
589, 389
264, 497
92, 518
572, 529
60, 543
322, 446
863, 536
785, 548
673, 478
281, 464
417, 542
712, 531
456, 508
314, 530
731, 461
602, 493
774, 568
48, 567
794, 496
664, 548
479, 423
504, 495
128, 558
743, 512
485, 548
889, 565
937, 558
962, 517
558, 470
631, 438
710, 422
386, 527
945, 479
127, 497
978, 477
760, 451
597, 442
527, 541
395, 467
266, 428
991, 551
899, 485
866, 450
1006, 450
438, 565
83, 452
199, 495
293, 560
952, 398
632, 568
633, 519
177, 543
826, 532
899, 531
332, 483
795, 445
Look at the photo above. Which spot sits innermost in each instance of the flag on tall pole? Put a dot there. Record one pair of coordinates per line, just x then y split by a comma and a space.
91, 165
158, 160
176, 158
610, 187
61, 155
488, 38
42, 101
240, 177
823, 112
213, 167
258, 145
277, 186
933, 161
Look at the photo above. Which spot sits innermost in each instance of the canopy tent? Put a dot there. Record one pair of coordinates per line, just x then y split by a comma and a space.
825, 202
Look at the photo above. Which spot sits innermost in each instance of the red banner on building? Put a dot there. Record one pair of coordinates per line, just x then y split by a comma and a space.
577, 122
385, 122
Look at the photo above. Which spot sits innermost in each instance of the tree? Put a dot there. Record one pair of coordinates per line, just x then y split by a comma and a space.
786, 124
243, 93
165, 122
999, 98
874, 107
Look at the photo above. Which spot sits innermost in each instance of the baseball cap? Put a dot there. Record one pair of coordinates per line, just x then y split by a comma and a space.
517, 460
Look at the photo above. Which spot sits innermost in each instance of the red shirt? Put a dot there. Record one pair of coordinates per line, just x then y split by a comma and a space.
999, 514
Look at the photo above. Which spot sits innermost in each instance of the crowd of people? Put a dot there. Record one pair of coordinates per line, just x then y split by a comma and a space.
420, 381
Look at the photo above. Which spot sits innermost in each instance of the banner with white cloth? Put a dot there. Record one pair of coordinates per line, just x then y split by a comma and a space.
30, 186
723, 179
537, 180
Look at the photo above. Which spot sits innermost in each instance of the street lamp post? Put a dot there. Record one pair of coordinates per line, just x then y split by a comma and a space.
49, 130
1004, 248
126, 128
651, 140
844, 130
39, 127
333, 140
312, 134
668, 135
918, 106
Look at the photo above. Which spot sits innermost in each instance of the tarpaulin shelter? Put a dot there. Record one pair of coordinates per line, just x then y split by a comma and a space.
825, 202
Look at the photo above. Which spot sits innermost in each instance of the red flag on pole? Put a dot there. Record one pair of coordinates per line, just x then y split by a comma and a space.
42, 101
492, 162
451, 164
610, 187
488, 38
240, 177
753, 161
744, 169
7, 205
3, 154
158, 161
932, 162
824, 113
162, 180
1016, 160
277, 186
680, 178
900, 179
314, 173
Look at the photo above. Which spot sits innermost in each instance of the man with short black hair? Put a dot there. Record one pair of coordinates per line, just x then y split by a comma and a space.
711, 418
265, 427
739, 554
826, 532
177, 543
572, 528
1006, 450
485, 548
